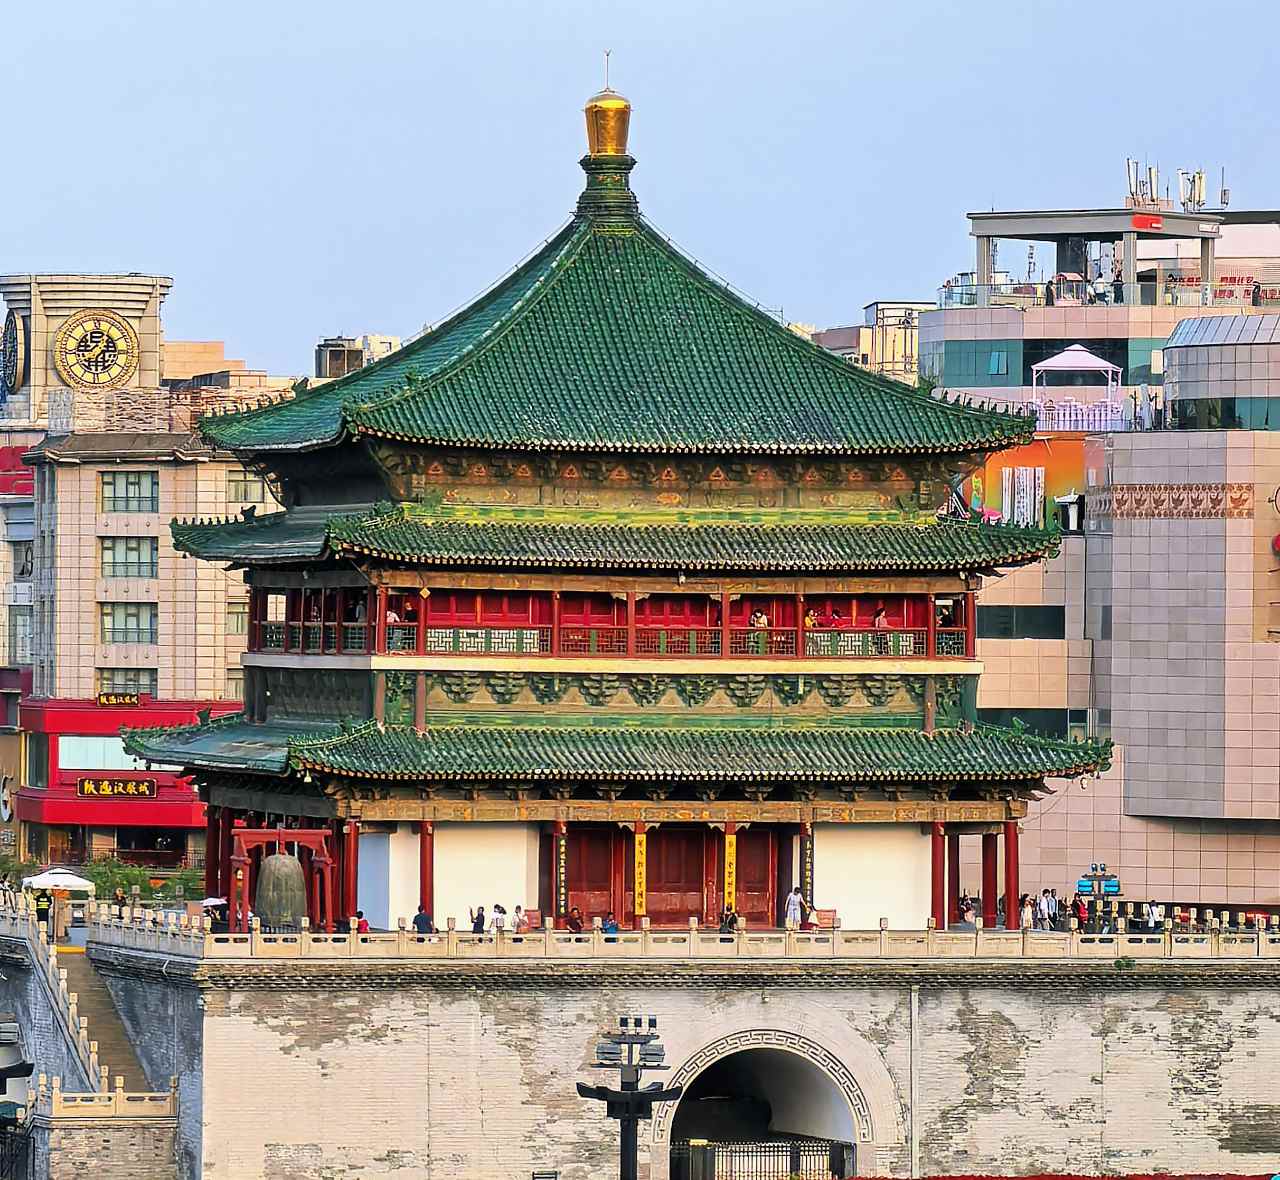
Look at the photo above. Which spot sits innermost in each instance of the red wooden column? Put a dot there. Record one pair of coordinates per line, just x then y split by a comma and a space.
1012, 918
931, 624
990, 850
351, 866
800, 640
725, 638
427, 866
555, 622
970, 624
380, 619
938, 877
212, 817
631, 625
953, 877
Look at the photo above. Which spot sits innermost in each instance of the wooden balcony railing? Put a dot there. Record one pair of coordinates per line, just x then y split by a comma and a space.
619, 641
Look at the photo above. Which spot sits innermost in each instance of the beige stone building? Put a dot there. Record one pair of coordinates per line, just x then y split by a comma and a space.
117, 629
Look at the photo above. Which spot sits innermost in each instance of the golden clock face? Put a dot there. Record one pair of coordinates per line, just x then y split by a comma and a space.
95, 349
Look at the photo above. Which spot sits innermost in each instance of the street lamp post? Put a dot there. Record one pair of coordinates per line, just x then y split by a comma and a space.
631, 1050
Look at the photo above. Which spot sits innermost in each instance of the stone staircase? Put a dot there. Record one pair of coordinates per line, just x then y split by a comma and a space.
94, 1003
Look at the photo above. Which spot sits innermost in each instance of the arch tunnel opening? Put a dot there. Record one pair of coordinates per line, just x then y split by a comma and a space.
762, 1113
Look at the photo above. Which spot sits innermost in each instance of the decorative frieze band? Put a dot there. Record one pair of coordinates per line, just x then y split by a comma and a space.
1172, 501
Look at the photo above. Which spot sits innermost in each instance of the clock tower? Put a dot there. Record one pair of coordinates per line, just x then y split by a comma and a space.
80, 352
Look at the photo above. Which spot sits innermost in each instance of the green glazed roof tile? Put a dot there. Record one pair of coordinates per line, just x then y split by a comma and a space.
609, 339
573, 749
529, 538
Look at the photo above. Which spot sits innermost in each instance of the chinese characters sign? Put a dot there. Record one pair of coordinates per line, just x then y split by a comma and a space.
116, 788
117, 698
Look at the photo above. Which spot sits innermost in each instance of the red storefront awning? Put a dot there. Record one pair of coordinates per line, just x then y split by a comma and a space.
50, 807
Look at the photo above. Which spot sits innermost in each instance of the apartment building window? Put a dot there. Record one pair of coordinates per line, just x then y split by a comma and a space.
1022, 622
244, 488
235, 685
129, 557
998, 363
237, 618
19, 635
130, 491
139, 680
128, 622
23, 553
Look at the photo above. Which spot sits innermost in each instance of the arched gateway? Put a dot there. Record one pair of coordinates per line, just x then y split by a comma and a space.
773, 1097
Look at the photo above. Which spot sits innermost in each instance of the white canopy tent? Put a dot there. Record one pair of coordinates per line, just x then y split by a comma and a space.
1075, 359
59, 879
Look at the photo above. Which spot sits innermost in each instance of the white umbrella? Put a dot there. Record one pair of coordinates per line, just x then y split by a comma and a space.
212, 901
59, 879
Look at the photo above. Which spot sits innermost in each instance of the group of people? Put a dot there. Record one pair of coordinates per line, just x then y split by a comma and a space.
498, 920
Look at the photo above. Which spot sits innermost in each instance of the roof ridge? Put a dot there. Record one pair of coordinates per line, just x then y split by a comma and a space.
418, 344
581, 233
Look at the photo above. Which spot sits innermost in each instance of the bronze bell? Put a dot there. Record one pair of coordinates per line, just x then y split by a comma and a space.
281, 903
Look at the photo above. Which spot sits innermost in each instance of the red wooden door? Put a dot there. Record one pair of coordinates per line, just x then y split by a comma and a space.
757, 876
590, 871
674, 876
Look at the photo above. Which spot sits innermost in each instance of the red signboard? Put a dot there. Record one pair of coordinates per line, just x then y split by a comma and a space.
1148, 221
116, 788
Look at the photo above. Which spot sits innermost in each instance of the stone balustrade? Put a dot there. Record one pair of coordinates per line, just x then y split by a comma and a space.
49, 1100
18, 920
175, 936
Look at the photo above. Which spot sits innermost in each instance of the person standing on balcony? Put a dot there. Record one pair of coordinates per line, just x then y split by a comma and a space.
520, 921
574, 921
498, 920
880, 624
422, 923
477, 920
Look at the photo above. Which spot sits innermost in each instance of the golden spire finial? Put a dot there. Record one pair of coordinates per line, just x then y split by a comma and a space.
608, 118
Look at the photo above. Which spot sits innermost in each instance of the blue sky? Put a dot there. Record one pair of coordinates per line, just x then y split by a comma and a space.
302, 169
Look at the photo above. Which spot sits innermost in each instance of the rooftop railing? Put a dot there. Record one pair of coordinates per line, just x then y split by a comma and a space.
175, 935
1078, 293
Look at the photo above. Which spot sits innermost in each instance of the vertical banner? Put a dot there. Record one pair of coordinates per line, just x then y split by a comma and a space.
641, 871
730, 868
806, 862
560, 853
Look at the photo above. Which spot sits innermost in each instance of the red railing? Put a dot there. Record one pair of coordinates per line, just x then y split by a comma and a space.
593, 641
762, 641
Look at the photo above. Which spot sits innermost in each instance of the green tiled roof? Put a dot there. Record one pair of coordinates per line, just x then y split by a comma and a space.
532, 538
576, 749
609, 339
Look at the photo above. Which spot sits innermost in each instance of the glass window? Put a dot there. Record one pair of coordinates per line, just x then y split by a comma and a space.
245, 488
1022, 622
235, 685
998, 363
128, 622
1053, 722
37, 759
237, 618
140, 680
129, 557
130, 491
23, 560
20, 635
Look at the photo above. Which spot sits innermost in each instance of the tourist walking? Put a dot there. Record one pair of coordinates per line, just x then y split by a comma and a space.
794, 913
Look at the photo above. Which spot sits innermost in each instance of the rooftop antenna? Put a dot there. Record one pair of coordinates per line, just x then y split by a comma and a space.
606, 68
1224, 193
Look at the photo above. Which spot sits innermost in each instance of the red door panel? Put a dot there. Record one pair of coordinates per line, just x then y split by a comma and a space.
674, 877
757, 875
590, 871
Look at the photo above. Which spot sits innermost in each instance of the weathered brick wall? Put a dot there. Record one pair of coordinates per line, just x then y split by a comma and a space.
123, 1149
369, 1070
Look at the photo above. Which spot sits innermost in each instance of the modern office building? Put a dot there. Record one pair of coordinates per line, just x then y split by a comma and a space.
1145, 354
